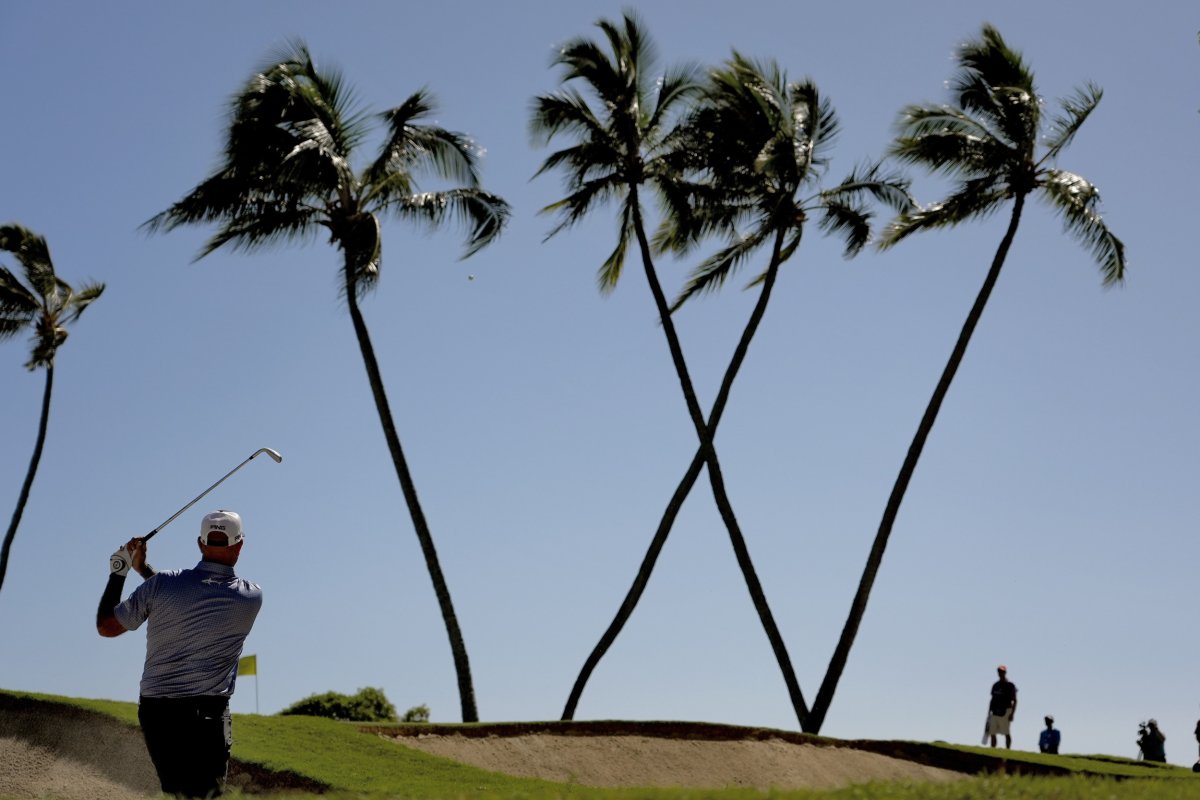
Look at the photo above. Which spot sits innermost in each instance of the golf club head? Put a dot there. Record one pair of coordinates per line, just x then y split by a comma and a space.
274, 454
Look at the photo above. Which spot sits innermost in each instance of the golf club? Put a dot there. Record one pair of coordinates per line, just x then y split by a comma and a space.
274, 454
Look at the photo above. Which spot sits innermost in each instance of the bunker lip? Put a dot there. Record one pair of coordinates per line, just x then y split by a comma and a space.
60, 750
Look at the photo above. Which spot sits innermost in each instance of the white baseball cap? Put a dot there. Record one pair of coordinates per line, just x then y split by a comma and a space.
225, 523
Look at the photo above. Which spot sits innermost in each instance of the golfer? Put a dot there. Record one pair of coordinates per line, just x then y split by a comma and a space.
199, 619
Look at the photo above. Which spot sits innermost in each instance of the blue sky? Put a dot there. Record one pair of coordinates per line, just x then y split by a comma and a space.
1050, 526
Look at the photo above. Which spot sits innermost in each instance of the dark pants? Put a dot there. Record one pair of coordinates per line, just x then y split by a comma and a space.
188, 739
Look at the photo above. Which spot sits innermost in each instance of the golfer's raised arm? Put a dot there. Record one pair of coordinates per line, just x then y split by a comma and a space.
118, 567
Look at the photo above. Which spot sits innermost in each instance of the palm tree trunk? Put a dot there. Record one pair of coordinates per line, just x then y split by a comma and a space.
458, 648
716, 479
23, 497
858, 608
681, 491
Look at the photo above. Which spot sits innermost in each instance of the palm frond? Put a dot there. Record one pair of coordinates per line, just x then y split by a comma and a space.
481, 213
582, 59
287, 154
264, 226
32, 253
47, 305
816, 127
336, 106
954, 154
80, 299
1076, 200
291, 99
921, 120
561, 113
631, 41
411, 147
18, 305
575, 206
686, 219
994, 81
11, 325
626, 78
1075, 111
974, 199
889, 187
610, 271
718, 268
637, 102
586, 161
790, 244
989, 142
677, 86
226, 196
852, 221
621, 115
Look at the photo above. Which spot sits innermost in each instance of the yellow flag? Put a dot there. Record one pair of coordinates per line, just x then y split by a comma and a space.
248, 665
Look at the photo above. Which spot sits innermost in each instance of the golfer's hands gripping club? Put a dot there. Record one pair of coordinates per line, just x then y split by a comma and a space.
131, 554
119, 562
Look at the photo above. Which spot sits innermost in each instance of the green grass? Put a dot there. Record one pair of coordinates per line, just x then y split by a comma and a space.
1026, 762
358, 765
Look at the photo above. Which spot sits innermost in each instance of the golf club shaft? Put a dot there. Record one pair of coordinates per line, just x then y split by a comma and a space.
274, 454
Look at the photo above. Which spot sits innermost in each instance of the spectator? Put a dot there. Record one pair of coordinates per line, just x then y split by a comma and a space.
1050, 738
1151, 740
1002, 708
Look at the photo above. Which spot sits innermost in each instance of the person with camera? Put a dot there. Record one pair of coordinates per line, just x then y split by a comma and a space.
1151, 741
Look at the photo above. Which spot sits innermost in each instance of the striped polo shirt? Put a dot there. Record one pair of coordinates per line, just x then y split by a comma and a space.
199, 619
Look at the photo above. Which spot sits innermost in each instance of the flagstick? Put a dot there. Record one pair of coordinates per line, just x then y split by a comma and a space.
256, 690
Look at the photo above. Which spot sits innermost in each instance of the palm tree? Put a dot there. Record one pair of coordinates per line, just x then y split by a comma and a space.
757, 141
287, 173
626, 145
45, 305
988, 141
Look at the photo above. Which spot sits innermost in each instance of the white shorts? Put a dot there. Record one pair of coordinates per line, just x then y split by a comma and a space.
998, 725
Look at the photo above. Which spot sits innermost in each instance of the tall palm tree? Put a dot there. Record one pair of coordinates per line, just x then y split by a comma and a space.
288, 172
757, 141
624, 145
45, 305
988, 142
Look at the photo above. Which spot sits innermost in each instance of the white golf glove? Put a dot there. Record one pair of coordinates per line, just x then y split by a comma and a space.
119, 562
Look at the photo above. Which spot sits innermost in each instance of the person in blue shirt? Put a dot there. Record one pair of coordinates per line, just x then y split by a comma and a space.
198, 620
1050, 738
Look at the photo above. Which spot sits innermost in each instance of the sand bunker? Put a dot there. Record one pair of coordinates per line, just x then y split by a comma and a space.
629, 760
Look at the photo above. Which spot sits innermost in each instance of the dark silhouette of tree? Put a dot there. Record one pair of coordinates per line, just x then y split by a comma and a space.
988, 142
755, 142
44, 305
288, 173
